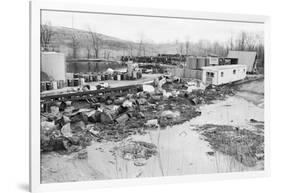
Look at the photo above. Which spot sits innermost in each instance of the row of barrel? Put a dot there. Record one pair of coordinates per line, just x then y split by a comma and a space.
108, 76
80, 79
51, 85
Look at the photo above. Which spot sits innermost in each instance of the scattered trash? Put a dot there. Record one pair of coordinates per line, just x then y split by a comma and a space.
255, 121
54, 109
183, 134
211, 153
106, 118
122, 119
83, 154
71, 125
137, 151
127, 104
66, 130
153, 123
170, 115
244, 145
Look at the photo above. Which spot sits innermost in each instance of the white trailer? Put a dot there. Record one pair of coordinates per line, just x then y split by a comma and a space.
218, 75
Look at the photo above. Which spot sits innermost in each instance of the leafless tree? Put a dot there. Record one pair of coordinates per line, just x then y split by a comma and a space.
96, 41
141, 46
46, 34
130, 48
229, 44
187, 45
181, 49
75, 43
89, 50
106, 54
241, 41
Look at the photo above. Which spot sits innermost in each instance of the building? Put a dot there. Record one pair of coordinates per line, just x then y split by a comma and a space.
245, 57
53, 65
218, 75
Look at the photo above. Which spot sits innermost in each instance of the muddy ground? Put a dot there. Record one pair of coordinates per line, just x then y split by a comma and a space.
223, 133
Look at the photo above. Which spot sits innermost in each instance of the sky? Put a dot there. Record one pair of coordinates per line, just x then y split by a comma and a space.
158, 30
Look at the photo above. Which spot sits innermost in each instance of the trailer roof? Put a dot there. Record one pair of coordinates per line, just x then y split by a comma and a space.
223, 67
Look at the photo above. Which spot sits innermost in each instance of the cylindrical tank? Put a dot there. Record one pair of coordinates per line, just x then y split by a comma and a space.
82, 81
76, 81
53, 64
49, 85
55, 84
43, 86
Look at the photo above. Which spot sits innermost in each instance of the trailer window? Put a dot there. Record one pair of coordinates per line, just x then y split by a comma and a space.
210, 74
222, 74
234, 71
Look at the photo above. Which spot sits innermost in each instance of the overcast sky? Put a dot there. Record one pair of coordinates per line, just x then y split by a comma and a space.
159, 30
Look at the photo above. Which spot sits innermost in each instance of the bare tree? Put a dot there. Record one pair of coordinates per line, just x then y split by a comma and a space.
181, 49
46, 34
204, 46
106, 54
187, 45
229, 44
251, 42
88, 49
141, 45
96, 42
130, 48
241, 41
75, 44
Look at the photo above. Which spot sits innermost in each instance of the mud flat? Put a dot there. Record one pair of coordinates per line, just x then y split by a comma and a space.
180, 148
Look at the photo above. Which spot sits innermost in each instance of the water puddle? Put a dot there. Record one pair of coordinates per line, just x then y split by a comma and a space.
181, 149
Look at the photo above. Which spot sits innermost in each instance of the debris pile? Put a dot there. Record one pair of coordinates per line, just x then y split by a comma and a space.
137, 151
245, 146
198, 95
71, 126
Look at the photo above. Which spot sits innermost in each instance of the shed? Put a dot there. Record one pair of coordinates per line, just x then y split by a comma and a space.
245, 57
218, 75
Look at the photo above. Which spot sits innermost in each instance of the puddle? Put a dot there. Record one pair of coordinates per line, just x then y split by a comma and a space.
181, 149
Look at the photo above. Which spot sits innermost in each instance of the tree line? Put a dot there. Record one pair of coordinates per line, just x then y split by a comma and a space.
94, 45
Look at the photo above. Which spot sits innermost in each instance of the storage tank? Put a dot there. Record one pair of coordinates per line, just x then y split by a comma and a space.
192, 62
201, 62
53, 64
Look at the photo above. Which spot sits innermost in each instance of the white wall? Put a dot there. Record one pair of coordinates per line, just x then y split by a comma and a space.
228, 75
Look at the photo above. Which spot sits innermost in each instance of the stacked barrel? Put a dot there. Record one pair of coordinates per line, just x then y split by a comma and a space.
51, 85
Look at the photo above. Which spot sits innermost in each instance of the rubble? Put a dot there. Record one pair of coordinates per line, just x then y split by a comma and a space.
245, 146
72, 125
66, 130
83, 154
170, 115
106, 118
137, 151
122, 119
